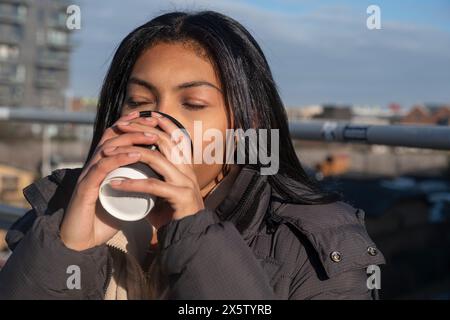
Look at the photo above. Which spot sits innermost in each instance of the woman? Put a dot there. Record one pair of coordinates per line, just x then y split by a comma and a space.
218, 231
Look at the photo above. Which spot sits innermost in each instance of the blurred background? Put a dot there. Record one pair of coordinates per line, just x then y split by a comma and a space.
330, 68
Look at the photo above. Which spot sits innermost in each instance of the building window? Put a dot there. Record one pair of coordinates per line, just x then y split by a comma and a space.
47, 74
11, 32
41, 16
57, 37
11, 94
48, 98
53, 55
21, 12
58, 19
18, 12
15, 73
8, 52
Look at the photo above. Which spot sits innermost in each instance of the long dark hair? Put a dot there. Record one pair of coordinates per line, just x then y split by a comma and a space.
249, 88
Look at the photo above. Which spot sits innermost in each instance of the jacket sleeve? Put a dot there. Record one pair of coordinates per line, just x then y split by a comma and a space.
41, 267
205, 259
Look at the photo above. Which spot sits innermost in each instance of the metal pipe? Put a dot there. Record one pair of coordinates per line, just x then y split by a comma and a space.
9, 214
45, 116
414, 136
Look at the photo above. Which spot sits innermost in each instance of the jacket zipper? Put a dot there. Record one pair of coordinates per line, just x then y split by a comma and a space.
108, 275
252, 207
273, 220
243, 206
109, 267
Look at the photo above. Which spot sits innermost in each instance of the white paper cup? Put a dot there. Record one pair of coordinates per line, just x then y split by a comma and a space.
127, 206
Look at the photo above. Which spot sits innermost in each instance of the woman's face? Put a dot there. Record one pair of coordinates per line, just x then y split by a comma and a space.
175, 79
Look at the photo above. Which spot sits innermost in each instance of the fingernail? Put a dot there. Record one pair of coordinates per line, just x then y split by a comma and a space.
123, 123
148, 119
157, 115
132, 114
110, 149
178, 139
115, 182
134, 154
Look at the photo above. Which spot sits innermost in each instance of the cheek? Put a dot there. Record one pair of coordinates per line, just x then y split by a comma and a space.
206, 172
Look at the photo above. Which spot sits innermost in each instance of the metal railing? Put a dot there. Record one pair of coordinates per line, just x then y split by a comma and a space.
415, 136
45, 116
9, 214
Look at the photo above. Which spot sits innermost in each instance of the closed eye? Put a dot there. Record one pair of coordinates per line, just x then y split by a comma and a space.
134, 104
192, 106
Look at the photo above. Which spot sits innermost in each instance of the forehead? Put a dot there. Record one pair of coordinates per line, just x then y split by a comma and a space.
174, 62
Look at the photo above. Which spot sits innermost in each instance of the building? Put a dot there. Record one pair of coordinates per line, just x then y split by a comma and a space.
428, 114
375, 114
303, 112
35, 49
335, 112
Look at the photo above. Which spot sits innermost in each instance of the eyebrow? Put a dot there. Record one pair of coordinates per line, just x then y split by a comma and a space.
186, 85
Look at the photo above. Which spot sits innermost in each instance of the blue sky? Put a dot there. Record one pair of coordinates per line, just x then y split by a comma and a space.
320, 51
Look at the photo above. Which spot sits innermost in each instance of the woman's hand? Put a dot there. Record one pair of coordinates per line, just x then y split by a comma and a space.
86, 224
179, 193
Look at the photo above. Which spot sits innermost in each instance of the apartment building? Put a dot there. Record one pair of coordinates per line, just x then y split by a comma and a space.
35, 48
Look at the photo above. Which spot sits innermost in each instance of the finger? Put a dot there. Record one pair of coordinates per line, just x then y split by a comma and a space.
179, 136
129, 139
124, 139
167, 126
177, 153
157, 162
143, 121
164, 142
112, 131
130, 116
98, 172
172, 129
151, 186
146, 121
108, 134
142, 126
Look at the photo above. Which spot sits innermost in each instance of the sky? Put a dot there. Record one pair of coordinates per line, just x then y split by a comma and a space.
320, 51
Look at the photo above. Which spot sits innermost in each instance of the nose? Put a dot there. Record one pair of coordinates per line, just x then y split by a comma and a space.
167, 108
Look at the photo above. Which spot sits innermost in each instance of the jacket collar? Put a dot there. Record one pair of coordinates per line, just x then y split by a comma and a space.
247, 202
